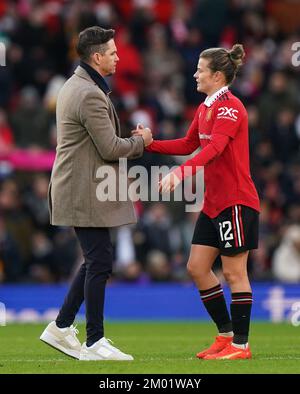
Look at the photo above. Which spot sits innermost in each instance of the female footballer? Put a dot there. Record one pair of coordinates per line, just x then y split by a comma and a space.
228, 222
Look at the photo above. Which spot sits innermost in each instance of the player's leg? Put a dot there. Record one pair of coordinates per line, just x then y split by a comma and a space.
199, 267
202, 257
200, 264
235, 273
238, 228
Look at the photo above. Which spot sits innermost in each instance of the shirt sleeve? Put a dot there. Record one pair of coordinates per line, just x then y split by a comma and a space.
180, 146
228, 118
216, 146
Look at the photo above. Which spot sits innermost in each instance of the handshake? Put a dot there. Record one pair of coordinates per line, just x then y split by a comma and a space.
144, 132
171, 180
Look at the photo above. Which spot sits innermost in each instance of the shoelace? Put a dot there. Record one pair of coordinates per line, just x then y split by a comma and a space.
109, 342
74, 330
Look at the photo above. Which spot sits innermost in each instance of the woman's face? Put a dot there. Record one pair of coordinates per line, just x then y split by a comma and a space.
207, 81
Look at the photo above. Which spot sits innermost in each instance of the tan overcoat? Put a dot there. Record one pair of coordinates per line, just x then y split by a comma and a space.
88, 137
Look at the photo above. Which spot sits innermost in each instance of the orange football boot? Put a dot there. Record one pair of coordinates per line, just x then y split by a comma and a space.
219, 344
230, 352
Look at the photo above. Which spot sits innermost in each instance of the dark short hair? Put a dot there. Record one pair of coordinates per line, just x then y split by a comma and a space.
226, 61
93, 39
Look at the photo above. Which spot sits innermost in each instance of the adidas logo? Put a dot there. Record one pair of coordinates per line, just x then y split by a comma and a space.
228, 245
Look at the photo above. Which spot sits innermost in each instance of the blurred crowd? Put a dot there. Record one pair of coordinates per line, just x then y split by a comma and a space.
159, 42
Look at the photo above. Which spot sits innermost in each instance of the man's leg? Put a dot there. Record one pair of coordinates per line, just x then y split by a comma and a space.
73, 300
98, 254
60, 333
90, 281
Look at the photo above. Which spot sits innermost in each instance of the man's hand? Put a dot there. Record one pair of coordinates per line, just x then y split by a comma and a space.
143, 132
169, 183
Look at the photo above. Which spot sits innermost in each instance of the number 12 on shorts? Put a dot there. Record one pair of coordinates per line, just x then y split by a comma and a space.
226, 231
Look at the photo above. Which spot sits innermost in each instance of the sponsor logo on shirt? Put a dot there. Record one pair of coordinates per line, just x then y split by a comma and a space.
204, 136
227, 113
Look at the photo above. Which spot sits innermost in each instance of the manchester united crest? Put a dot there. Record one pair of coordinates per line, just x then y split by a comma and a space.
208, 115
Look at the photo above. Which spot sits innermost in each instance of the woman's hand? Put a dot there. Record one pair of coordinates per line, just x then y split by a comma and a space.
169, 183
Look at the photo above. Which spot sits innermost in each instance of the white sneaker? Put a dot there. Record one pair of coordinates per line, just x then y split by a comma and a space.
63, 339
102, 350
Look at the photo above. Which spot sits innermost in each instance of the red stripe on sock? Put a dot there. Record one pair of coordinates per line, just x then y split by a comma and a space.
212, 297
241, 295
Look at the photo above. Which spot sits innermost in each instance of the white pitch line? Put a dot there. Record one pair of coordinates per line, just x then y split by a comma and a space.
31, 361
141, 360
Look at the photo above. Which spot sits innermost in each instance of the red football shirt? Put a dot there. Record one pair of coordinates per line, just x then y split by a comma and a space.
220, 128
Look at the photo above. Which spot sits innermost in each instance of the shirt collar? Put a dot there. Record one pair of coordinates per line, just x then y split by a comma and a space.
211, 99
96, 77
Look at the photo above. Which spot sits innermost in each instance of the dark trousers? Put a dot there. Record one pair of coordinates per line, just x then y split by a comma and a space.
89, 282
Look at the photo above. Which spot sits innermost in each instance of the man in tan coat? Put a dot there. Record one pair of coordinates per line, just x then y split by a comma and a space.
88, 137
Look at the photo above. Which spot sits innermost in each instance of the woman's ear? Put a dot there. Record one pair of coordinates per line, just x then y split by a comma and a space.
219, 76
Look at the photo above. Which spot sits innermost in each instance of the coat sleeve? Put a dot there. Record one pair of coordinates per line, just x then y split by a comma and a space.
94, 117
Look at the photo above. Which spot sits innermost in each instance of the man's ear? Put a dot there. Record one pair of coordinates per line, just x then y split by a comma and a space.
96, 57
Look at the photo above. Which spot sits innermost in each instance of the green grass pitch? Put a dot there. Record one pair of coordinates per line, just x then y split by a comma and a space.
158, 347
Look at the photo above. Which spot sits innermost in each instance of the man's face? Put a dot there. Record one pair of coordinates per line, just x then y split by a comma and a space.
204, 77
108, 60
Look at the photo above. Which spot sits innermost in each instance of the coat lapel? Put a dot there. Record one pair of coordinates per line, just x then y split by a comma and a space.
80, 72
116, 118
